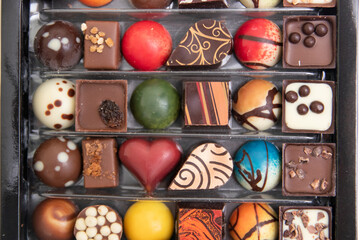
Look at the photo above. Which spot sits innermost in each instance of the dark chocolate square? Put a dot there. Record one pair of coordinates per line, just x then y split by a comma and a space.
312, 113
201, 222
312, 48
206, 104
303, 3
308, 222
102, 45
309, 169
101, 105
100, 169
203, 4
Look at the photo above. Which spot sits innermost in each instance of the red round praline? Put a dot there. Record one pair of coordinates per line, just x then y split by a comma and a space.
54, 219
258, 43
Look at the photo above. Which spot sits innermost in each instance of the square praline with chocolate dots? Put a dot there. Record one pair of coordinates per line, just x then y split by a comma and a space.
309, 42
309, 169
101, 106
308, 106
305, 222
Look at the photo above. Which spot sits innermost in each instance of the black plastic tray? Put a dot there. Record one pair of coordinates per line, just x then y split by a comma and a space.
18, 197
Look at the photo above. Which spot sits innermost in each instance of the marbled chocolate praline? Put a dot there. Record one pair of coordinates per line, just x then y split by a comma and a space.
57, 162
257, 166
257, 105
54, 219
207, 44
58, 45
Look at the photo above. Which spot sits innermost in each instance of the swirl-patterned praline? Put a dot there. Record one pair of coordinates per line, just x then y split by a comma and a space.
207, 44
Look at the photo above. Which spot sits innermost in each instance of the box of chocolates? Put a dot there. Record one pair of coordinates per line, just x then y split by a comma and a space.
178, 119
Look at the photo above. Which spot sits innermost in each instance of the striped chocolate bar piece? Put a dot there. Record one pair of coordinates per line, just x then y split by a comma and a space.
206, 104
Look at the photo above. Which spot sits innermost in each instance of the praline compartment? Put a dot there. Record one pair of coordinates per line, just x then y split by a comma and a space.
258, 43
249, 216
54, 103
98, 222
257, 105
57, 162
257, 166
58, 45
54, 219
260, 3
153, 4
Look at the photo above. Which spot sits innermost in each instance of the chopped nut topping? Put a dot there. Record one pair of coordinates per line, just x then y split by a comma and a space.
307, 150
320, 226
83, 27
100, 49
305, 220
299, 237
320, 215
292, 174
87, 37
288, 217
299, 213
101, 34
324, 184
311, 229
286, 234
303, 160
326, 155
109, 42
93, 40
100, 41
93, 48
317, 151
292, 228
315, 184
300, 173
94, 30
322, 235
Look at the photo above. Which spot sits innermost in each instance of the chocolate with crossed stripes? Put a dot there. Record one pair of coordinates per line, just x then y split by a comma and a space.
258, 43
209, 166
253, 221
257, 105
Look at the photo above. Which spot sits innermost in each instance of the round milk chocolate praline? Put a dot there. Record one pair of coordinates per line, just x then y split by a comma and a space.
58, 45
57, 162
153, 4
257, 105
258, 43
54, 103
54, 219
257, 166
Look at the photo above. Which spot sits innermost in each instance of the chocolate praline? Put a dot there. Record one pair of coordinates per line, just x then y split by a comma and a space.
146, 4
58, 45
57, 162
54, 219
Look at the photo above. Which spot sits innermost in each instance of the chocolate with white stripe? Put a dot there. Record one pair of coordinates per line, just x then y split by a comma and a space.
209, 166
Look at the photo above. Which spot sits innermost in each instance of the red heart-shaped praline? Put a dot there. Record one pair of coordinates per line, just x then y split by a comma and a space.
150, 161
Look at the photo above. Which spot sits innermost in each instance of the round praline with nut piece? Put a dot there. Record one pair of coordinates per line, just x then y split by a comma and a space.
308, 28
304, 91
317, 107
54, 219
321, 30
291, 96
294, 37
98, 222
58, 45
302, 109
309, 41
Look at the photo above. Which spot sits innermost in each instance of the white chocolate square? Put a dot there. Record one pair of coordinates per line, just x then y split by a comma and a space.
311, 121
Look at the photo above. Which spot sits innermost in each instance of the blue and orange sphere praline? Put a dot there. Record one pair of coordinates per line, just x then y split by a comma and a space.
258, 43
257, 166
253, 221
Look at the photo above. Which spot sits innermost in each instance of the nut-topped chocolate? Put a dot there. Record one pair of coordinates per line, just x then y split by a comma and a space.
309, 42
203, 4
308, 106
309, 169
207, 44
101, 45
305, 222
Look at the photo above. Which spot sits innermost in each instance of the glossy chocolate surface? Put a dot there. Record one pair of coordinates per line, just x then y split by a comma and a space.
206, 104
206, 44
306, 3
54, 219
153, 4
203, 4
317, 45
308, 106
58, 45
101, 168
309, 169
91, 99
102, 45
57, 162
305, 222
98, 222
